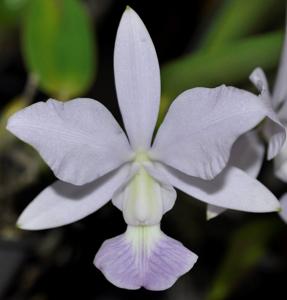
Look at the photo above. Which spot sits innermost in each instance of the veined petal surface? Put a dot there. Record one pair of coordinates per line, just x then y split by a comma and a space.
201, 126
144, 257
137, 79
77, 138
63, 203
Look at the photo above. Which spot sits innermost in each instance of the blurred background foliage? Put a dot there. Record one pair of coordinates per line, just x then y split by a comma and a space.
64, 49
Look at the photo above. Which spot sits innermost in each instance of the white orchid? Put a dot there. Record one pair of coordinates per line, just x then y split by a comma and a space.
252, 147
95, 161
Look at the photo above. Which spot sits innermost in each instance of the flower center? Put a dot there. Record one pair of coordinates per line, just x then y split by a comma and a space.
142, 203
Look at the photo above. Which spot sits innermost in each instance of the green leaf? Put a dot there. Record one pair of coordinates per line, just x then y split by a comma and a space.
10, 12
229, 64
247, 248
58, 46
239, 18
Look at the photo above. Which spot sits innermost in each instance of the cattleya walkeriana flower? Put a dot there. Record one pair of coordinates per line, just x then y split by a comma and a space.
95, 161
252, 146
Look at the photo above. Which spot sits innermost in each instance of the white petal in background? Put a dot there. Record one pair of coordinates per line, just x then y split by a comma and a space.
258, 78
276, 135
137, 79
77, 138
280, 86
63, 203
273, 128
213, 211
247, 154
283, 213
280, 164
232, 188
201, 126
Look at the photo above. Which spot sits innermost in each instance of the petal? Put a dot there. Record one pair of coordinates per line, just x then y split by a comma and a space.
72, 138
258, 78
213, 211
63, 203
201, 126
137, 78
144, 257
280, 87
232, 188
283, 212
273, 129
280, 164
248, 153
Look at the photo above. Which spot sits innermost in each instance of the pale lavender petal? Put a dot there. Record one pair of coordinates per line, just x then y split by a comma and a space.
273, 129
280, 87
283, 212
201, 126
232, 188
137, 79
282, 113
280, 164
275, 134
258, 78
248, 153
77, 138
63, 203
144, 257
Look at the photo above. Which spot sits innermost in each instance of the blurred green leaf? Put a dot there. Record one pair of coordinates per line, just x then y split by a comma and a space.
58, 46
229, 64
246, 249
238, 18
13, 105
11, 11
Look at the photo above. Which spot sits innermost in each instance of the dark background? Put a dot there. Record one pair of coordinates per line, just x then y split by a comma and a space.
58, 263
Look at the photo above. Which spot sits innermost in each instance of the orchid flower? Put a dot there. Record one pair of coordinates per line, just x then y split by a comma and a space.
95, 161
248, 152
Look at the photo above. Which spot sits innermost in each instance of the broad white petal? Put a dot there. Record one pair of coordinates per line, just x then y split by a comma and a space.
232, 188
144, 257
283, 212
247, 153
137, 79
63, 203
273, 129
280, 87
201, 126
280, 164
77, 138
